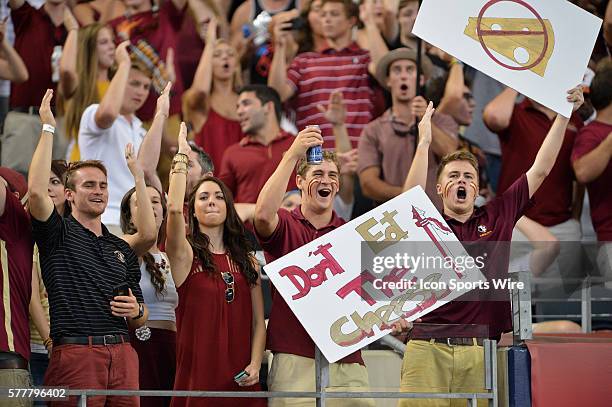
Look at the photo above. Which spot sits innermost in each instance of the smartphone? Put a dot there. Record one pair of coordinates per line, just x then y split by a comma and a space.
297, 23
241, 376
121, 290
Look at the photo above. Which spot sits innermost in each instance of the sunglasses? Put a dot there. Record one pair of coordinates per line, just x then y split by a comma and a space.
401, 129
228, 278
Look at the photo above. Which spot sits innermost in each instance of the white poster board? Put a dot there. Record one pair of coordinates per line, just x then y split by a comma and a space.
336, 300
540, 48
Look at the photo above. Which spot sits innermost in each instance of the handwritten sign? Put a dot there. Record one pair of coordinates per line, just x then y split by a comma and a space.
525, 44
335, 286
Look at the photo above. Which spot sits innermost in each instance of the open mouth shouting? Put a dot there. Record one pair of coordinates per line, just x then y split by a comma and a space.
324, 192
403, 87
461, 193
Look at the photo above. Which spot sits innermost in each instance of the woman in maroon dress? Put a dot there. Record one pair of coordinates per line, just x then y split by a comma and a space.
220, 318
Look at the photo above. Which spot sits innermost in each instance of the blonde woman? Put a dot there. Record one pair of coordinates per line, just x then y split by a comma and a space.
215, 84
84, 75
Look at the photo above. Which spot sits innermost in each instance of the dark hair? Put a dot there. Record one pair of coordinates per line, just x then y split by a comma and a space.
127, 227
73, 167
304, 37
601, 87
265, 94
60, 168
350, 8
203, 158
239, 247
460, 155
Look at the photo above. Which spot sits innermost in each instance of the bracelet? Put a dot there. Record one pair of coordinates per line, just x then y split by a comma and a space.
179, 165
180, 158
180, 171
47, 342
48, 128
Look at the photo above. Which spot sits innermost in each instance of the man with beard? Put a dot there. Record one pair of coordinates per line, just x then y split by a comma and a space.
92, 276
451, 358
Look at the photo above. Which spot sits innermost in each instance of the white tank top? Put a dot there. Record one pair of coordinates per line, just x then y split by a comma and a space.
161, 306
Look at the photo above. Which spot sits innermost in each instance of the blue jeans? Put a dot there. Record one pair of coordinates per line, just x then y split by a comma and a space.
38, 367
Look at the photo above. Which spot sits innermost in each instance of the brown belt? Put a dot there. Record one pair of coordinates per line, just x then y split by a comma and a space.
12, 360
457, 341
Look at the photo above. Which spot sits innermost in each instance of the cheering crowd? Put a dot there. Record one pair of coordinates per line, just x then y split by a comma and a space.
154, 158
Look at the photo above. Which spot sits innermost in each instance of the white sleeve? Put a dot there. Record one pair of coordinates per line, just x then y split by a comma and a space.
343, 209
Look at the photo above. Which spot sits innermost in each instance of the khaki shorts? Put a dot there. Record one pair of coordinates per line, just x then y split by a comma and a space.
431, 367
297, 373
17, 379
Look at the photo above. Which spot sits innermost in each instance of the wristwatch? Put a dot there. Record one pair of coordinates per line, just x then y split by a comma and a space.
140, 311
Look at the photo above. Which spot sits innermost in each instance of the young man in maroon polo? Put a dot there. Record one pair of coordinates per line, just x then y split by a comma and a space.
247, 165
16, 268
593, 167
521, 128
280, 232
313, 76
435, 362
39, 37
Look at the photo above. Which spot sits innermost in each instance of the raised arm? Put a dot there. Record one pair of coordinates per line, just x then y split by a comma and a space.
497, 114
277, 77
12, 67
108, 111
548, 152
178, 248
418, 170
146, 231
148, 153
335, 113
453, 91
40, 204
376, 44
197, 95
271, 196
591, 165
442, 143
69, 79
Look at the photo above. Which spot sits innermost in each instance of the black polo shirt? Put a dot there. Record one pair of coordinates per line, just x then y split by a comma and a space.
79, 270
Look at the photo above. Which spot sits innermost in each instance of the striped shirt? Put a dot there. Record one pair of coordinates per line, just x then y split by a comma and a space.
80, 270
315, 75
16, 285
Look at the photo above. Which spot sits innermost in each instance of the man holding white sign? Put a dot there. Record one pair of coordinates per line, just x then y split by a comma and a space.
442, 364
281, 232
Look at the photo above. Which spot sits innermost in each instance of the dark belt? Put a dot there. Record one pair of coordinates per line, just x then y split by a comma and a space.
457, 341
92, 340
12, 360
32, 110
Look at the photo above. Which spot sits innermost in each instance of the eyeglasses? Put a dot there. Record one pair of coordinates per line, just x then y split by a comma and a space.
228, 278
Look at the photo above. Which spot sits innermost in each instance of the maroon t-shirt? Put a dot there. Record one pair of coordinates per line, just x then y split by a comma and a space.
159, 29
16, 246
520, 143
247, 165
489, 230
285, 333
35, 38
600, 189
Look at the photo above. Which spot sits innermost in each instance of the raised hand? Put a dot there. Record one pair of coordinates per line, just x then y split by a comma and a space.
163, 101
309, 137
425, 125
348, 162
576, 97
122, 55
70, 22
132, 162
336, 111
46, 115
281, 26
183, 145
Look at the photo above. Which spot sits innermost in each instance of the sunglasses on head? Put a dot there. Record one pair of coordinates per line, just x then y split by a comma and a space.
228, 278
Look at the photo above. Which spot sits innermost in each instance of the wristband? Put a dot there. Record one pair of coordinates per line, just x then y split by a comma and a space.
48, 128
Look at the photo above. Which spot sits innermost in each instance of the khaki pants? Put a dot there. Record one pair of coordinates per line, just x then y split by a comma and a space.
431, 367
16, 379
297, 373
20, 138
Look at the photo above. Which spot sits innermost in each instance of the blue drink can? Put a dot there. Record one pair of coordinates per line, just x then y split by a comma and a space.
314, 155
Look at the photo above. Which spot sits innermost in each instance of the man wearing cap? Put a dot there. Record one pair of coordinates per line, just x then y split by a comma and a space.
16, 266
387, 144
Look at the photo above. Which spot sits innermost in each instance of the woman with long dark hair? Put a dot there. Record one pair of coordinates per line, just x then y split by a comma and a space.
154, 342
220, 319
